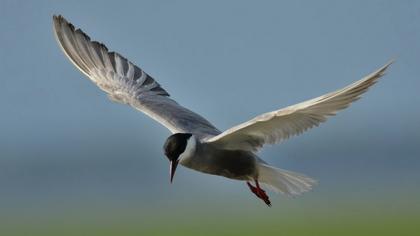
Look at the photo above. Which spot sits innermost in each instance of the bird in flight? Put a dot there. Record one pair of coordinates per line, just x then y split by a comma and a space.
195, 143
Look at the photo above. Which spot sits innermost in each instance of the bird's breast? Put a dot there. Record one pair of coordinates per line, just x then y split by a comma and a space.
232, 164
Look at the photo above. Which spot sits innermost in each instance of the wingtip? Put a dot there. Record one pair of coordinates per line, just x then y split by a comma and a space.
57, 17
56, 23
381, 71
390, 62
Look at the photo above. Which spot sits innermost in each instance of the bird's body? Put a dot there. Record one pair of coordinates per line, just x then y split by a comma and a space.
195, 142
209, 159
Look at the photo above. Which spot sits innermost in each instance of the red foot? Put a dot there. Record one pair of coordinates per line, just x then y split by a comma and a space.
260, 193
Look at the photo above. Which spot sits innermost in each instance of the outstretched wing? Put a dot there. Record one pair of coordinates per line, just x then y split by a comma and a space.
126, 83
276, 126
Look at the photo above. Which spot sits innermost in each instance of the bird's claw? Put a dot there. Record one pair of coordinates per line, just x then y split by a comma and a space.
260, 193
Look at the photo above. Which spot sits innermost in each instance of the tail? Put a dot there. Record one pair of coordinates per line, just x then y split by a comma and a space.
284, 181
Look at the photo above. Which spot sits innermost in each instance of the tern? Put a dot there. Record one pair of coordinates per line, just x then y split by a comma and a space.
195, 143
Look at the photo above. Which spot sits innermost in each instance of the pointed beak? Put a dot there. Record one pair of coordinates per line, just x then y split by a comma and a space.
172, 169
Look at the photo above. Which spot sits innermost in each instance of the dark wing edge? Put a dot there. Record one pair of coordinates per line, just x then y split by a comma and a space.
126, 83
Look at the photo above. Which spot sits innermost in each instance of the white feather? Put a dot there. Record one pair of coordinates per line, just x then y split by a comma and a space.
126, 83
276, 126
189, 150
284, 181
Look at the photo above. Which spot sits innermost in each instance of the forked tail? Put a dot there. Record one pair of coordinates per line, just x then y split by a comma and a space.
284, 181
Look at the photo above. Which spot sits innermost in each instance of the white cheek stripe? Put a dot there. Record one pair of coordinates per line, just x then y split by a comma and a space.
189, 149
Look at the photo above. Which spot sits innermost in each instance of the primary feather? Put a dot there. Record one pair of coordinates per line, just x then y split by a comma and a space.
126, 83
276, 126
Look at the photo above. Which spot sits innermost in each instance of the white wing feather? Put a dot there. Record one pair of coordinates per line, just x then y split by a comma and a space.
276, 126
126, 83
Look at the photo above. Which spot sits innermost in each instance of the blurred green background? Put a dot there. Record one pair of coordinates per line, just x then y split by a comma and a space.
74, 163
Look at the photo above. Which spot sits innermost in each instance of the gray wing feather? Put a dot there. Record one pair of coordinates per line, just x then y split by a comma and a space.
126, 83
276, 126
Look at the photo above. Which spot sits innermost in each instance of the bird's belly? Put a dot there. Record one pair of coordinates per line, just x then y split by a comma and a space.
231, 164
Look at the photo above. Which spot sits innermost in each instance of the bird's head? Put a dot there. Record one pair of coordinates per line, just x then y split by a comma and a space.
176, 146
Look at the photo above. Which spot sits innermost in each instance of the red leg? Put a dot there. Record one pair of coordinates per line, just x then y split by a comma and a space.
260, 193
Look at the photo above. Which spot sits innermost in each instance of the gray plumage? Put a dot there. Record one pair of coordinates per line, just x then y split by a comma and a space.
126, 83
276, 126
232, 153
233, 164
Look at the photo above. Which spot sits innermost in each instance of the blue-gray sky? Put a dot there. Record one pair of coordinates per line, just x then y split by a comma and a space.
227, 60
